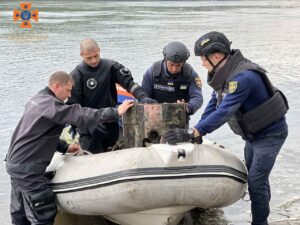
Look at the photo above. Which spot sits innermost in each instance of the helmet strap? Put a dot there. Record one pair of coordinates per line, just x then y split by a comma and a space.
211, 73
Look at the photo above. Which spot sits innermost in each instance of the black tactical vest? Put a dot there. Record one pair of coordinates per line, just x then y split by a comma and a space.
249, 123
166, 90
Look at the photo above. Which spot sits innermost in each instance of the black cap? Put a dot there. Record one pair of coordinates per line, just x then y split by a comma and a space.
212, 42
176, 52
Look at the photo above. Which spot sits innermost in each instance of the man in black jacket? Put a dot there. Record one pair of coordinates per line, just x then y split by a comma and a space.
95, 87
34, 142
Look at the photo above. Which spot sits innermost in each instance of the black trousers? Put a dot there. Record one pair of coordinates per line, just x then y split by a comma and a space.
32, 202
100, 137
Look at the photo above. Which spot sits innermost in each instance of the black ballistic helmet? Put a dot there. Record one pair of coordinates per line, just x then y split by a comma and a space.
212, 42
176, 52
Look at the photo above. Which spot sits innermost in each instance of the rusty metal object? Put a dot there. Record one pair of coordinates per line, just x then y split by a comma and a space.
145, 123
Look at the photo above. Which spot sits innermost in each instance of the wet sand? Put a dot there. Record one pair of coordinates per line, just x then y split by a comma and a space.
198, 216
207, 217
287, 222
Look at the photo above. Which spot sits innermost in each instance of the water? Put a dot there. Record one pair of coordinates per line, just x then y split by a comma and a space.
134, 33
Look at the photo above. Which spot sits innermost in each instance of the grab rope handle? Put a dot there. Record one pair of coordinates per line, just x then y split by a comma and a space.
82, 152
246, 197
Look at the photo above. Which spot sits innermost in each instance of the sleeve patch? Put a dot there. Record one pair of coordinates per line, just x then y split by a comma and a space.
198, 82
233, 85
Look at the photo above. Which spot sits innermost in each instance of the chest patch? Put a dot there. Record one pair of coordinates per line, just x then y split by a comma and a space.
91, 83
164, 88
183, 87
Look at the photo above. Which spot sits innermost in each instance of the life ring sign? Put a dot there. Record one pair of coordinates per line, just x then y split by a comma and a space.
123, 94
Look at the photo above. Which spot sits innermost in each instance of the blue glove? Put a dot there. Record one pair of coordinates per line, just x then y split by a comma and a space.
147, 100
177, 135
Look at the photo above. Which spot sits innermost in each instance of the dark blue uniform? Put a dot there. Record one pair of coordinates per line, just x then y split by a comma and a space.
246, 91
183, 87
250, 93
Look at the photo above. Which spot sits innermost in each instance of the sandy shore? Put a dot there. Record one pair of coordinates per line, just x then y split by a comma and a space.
68, 219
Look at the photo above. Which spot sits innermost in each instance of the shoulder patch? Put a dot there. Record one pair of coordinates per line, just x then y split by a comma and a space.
198, 81
233, 85
124, 71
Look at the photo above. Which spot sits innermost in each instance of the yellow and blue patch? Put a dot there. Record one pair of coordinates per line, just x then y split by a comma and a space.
198, 82
233, 85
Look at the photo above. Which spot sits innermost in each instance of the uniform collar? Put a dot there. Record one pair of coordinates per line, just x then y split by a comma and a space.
89, 68
47, 91
217, 81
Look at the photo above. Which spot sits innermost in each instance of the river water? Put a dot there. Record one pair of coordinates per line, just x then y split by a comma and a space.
134, 33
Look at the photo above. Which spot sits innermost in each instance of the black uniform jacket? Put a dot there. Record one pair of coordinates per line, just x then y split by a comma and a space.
36, 136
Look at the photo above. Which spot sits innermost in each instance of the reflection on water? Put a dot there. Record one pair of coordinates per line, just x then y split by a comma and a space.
134, 33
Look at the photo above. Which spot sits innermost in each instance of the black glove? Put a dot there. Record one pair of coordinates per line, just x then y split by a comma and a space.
147, 100
177, 135
174, 136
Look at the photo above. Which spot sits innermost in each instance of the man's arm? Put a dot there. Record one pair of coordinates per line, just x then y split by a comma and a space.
61, 113
211, 106
64, 147
195, 94
125, 79
147, 82
230, 104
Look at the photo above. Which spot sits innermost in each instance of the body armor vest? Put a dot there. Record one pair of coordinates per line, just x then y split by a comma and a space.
166, 90
249, 123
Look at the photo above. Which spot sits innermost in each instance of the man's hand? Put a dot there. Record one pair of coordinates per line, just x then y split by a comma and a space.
147, 100
196, 132
197, 137
125, 106
177, 135
180, 101
188, 110
72, 148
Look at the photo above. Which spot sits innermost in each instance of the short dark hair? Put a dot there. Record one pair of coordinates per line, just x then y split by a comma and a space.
60, 77
88, 44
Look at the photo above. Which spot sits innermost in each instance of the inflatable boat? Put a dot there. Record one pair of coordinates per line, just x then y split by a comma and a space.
152, 185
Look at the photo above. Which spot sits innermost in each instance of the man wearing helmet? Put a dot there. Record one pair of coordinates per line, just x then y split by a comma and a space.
95, 80
244, 97
173, 80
